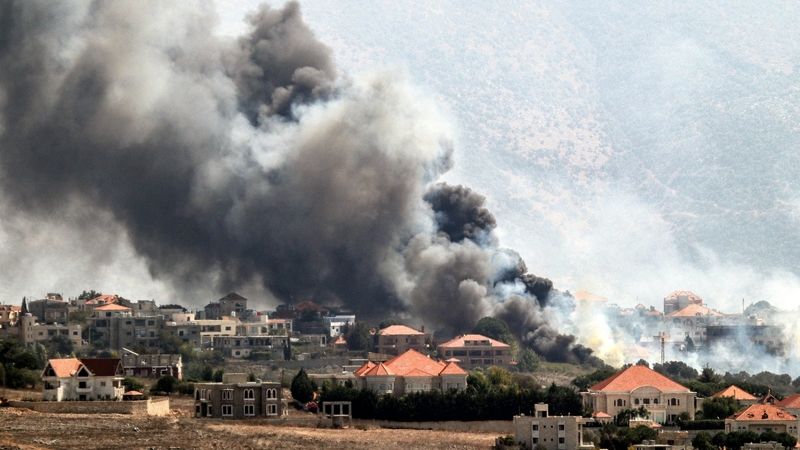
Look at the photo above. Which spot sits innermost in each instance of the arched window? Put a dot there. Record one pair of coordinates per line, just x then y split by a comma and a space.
272, 394
248, 394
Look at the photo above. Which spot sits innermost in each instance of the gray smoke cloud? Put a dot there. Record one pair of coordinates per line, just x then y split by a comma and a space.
240, 162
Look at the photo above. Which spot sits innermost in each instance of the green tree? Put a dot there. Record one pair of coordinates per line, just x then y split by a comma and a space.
60, 345
643, 362
302, 387
165, 384
496, 329
88, 295
498, 376
527, 361
708, 376
719, 407
132, 384
358, 337
703, 442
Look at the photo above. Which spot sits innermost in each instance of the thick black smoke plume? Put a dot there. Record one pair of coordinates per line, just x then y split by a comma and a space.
248, 161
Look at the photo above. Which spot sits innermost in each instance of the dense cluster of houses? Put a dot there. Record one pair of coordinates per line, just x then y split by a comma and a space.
686, 321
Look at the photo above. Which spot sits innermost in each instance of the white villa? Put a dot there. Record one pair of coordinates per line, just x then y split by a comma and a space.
83, 379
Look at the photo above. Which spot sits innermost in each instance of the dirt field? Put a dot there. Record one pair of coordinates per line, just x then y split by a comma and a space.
24, 429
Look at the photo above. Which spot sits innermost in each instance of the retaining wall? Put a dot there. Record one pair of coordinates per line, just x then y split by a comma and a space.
151, 407
478, 426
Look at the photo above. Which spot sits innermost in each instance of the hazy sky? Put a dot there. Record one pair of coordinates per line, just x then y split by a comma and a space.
625, 148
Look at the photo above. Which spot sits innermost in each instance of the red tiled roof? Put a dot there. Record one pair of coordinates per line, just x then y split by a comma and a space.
64, 367
792, 401
689, 294
394, 330
763, 412
102, 367
736, 393
452, 368
112, 307
380, 370
460, 341
133, 393
364, 368
635, 377
340, 340
410, 364
601, 415
694, 310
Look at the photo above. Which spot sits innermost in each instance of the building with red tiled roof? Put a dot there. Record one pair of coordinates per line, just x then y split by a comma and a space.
396, 339
760, 417
791, 404
411, 372
475, 350
680, 299
736, 393
639, 386
82, 379
692, 321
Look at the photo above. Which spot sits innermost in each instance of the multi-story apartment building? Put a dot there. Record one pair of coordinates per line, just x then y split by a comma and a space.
237, 398
114, 326
543, 431
265, 327
396, 339
200, 333
678, 300
52, 309
29, 331
639, 386
475, 350
276, 347
82, 379
231, 305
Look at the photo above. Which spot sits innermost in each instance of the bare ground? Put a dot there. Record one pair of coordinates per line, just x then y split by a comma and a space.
25, 429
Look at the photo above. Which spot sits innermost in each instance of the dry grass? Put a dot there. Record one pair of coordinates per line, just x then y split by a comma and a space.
24, 429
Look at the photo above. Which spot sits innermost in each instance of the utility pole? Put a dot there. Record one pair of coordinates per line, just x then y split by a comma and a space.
663, 342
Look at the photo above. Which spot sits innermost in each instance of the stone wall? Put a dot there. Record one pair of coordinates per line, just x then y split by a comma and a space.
152, 407
478, 426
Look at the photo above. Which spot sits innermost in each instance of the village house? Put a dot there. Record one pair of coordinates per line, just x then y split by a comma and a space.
692, 321
49, 310
761, 417
396, 339
231, 305
9, 315
738, 394
638, 386
151, 366
678, 300
265, 326
475, 350
543, 431
237, 398
791, 404
82, 379
29, 331
115, 327
411, 372
271, 347
336, 325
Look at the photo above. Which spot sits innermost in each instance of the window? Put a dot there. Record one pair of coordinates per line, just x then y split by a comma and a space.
655, 401
249, 410
272, 394
636, 401
248, 394
536, 427
561, 427
646, 401
272, 410
227, 394
561, 440
102, 384
82, 385
535, 440
227, 410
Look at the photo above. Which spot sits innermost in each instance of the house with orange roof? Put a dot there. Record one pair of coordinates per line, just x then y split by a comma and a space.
82, 379
692, 321
791, 404
761, 417
411, 372
639, 386
738, 394
475, 350
396, 339
678, 300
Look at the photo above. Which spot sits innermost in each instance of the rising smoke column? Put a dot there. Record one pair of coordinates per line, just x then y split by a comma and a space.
241, 161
